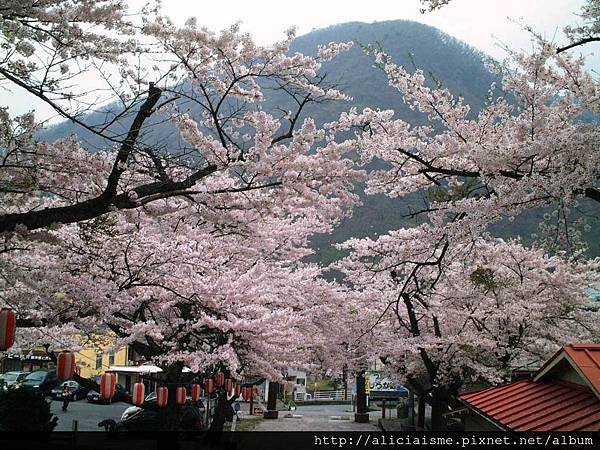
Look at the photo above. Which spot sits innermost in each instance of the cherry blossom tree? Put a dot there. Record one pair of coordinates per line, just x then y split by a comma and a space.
447, 304
443, 317
190, 251
221, 73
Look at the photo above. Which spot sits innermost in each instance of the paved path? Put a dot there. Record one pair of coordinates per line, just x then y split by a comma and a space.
320, 418
88, 414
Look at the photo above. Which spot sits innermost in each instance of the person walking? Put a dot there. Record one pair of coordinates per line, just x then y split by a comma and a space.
66, 396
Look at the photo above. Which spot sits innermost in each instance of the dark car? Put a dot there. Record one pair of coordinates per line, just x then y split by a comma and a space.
13, 379
121, 395
42, 381
77, 391
149, 420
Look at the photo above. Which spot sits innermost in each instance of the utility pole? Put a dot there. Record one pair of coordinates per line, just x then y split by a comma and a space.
345, 380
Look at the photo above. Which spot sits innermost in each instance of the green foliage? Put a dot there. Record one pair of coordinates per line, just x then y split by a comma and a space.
484, 278
97, 228
324, 384
24, 410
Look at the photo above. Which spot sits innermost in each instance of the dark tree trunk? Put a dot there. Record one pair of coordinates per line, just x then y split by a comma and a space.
361, 415
271, 412
438, 407
223, 411
421, 413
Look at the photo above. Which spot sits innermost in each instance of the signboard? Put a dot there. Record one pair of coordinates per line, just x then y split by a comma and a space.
381, 386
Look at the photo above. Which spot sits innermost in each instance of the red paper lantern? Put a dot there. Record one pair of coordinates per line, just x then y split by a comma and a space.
180, 394
196, 392
209, 385
66, 365
8, 323
228, 384
237, 390
108, 384
138, 394
219, 379
246, 393
162, 396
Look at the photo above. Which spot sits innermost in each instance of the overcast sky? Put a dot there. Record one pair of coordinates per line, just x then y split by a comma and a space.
481, 23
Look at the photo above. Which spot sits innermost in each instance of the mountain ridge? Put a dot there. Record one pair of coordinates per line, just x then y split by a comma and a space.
451, 62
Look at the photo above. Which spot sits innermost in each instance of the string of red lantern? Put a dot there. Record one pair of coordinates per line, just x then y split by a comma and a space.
162, 396
65, 365
138, 393
180, 395
196, 392
108, 384
8, 323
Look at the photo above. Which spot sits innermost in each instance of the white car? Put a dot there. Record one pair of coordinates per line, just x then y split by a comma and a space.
130, 411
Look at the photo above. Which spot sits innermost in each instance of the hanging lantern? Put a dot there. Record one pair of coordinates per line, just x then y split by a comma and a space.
196, 392
219, 379
108, 384
228, 384
8, 323
245, 393
138, 393
209, 385
162, 396
237, 390
65, 365
180, 394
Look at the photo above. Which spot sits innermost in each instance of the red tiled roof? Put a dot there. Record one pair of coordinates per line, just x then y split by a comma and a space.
529, 406
587, 359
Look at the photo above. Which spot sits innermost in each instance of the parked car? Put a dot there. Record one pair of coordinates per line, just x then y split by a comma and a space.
13, 378
77, 391
41, 380
129, 411
121, 395
149, 420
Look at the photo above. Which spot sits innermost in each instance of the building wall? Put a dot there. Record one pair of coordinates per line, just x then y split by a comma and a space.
94, 361
474, 422
565, 372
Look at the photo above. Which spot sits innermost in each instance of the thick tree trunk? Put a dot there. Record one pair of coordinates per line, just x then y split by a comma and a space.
271, 412
421, 413
223, 412
361, 415
438, 408
170, 416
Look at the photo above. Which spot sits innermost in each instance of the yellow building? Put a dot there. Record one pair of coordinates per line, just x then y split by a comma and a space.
93, 361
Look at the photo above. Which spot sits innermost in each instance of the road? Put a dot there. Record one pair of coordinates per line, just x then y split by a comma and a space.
88, 414
320, 418
313, 418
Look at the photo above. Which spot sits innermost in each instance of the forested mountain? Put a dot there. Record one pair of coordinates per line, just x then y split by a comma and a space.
448, 61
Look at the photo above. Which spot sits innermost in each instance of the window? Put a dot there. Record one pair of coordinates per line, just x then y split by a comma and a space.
111, 358
98, 360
